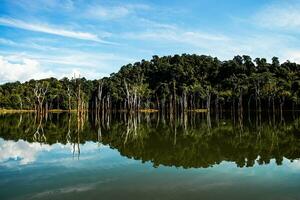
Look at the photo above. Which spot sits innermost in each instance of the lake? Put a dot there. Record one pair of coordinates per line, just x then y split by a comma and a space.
150, 156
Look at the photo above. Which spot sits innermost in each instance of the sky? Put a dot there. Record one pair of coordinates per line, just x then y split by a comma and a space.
94, 38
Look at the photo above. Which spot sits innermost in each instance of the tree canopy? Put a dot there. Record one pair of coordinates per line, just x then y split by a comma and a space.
176, 82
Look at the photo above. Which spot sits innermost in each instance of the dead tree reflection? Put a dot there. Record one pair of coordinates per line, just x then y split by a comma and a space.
39, 135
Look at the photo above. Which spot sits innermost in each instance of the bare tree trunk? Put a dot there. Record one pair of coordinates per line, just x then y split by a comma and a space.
241, 102
79, 101
129, 103
40, 93
184, 101
208, 101
69, 98
21, 103
174, 96
282, 100
100, 86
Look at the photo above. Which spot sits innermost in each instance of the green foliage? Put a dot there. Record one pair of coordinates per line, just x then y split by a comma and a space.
12, 95
156, 81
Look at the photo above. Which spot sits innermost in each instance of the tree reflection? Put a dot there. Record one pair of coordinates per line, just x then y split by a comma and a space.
39, 135
186, 140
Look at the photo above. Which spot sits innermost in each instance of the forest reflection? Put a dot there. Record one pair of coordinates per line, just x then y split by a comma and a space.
188, 140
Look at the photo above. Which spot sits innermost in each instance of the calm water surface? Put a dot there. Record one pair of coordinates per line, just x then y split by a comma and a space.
149, 157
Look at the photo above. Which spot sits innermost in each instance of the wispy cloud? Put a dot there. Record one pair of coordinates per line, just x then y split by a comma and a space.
147, 23
55, 193
23, 66
107, 13
282, 15
292, 55
27, 45
50, 30
43, 6
103, 62
173, 35
7, 42
219, 44
193, 38
102, 12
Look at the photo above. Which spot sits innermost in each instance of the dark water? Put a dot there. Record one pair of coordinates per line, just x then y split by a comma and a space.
149, 157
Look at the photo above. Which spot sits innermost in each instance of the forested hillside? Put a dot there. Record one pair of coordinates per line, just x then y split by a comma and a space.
169, 83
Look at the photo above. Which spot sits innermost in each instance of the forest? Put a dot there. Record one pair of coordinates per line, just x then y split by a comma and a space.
174, 84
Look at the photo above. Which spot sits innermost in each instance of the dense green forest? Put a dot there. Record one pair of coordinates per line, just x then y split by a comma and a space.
170, 83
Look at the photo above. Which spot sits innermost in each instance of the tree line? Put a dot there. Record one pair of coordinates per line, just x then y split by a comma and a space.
171, 84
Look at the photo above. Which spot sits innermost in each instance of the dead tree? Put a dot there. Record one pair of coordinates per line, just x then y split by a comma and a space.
99, 102
128, 97
69, 93
40, 94
77, 94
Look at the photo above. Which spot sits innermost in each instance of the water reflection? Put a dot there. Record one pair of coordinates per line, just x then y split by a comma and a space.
21, 151
189, 140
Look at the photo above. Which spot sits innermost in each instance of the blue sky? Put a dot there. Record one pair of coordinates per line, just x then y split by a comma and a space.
93, 38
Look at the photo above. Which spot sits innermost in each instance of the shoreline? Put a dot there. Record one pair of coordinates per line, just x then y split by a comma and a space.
11, 111
199, 110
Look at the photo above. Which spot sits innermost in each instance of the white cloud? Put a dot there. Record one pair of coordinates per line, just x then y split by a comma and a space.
63, 63
295, 164
51, 30
292, 55
113, 12
283, 15
146, 23
87, 64
7, 42
21, 150
55, 193
45, 5
83, 59
164, 32
28, 44
176, 35
24, 152
16, 68
87, 73
187, 41
107, 13
161, 37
